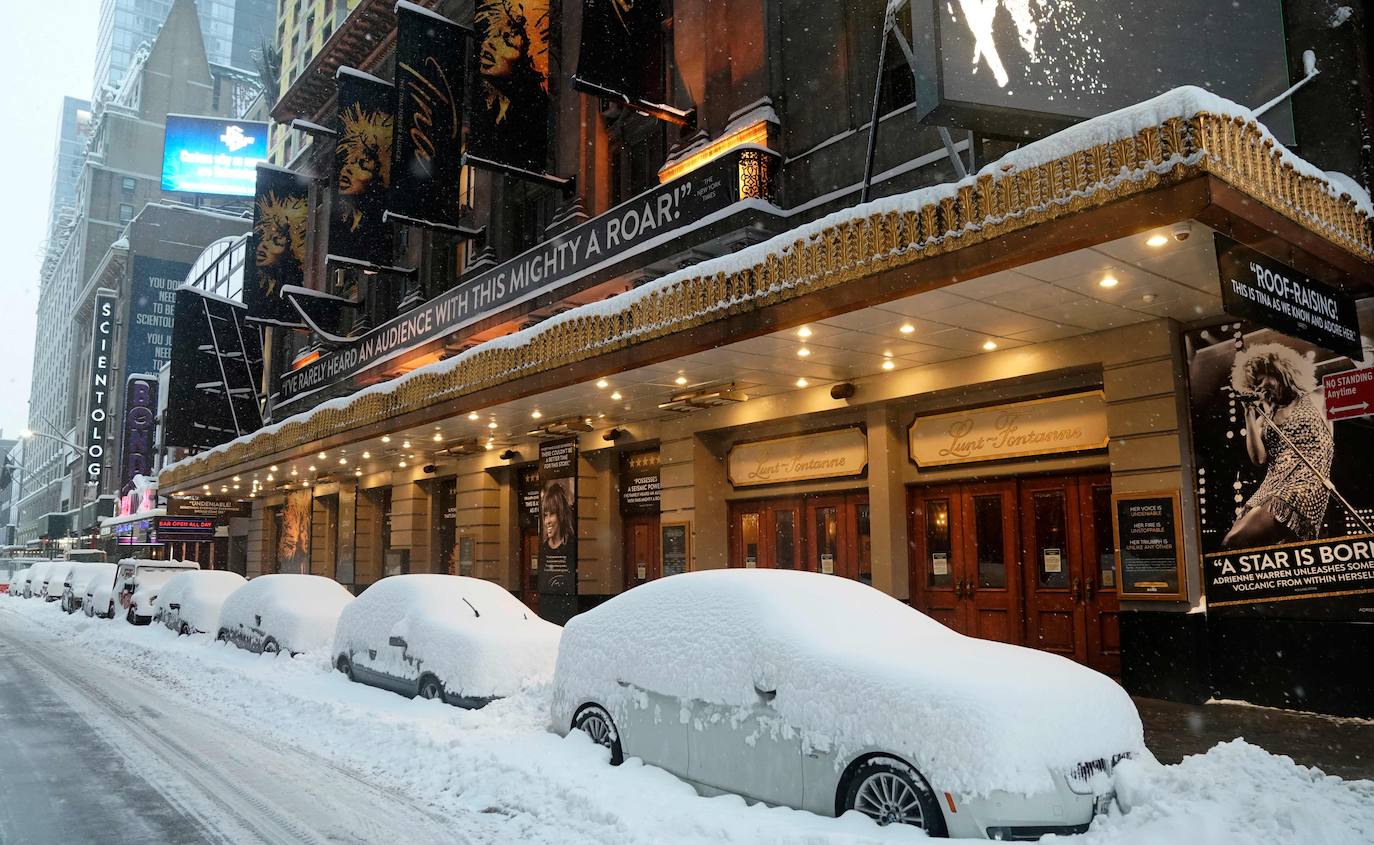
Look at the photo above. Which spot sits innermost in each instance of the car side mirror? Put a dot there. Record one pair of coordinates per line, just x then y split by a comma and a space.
399, 642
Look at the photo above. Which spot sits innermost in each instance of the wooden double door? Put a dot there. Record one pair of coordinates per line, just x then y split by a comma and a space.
1027, 561
826, 533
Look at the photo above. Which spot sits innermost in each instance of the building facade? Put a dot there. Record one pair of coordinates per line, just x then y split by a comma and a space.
303, 28
72, 136
979, 394
120, 173
232, 32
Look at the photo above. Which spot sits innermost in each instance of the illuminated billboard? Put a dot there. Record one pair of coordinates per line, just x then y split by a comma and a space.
212, 155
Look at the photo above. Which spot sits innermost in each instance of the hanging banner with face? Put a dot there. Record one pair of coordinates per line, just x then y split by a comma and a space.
1285, 496
621, 55
427, 160
362, 168
509, 122
276, 247
558, 517
293, 534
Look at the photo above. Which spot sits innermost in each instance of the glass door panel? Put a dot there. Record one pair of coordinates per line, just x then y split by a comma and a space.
785, 539
864, 535
1050, 514
990, 546
749, 539
827, 545
938, 563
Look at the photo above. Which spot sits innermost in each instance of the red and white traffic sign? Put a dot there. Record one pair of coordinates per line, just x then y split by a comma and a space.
1349, 394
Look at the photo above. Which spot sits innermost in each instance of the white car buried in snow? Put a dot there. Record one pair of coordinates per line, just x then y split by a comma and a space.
461, 640
284, 612
190, 603
815, 692
80, 576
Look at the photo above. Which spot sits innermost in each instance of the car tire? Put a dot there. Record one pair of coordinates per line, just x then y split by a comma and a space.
594, 721
271, 646
344, 665
430, 689
129, 616
222, 635
891, 791
184, 630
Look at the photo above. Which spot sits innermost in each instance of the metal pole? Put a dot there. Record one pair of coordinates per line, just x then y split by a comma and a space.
1325, 479
889, 20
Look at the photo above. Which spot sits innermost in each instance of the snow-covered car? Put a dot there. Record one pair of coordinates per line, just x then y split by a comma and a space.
824, 694
461, 640
100, 596
284, 612
190, 603
78, 578
19, 587
138, 582
39, 575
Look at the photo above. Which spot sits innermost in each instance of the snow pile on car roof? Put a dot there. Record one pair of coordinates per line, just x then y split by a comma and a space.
298, 611
854, 670
477, 638
201, 595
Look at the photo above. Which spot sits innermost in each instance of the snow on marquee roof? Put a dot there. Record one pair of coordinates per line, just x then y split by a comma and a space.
1178, 135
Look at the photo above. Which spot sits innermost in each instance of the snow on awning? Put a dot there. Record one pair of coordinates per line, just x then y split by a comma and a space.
1181, 135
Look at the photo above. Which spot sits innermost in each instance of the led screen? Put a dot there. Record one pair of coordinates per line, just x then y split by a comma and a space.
211, 155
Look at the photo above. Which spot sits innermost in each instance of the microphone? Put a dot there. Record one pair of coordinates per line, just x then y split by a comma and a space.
1249, 398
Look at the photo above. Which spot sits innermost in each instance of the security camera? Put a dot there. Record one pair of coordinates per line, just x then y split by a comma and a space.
1182, 232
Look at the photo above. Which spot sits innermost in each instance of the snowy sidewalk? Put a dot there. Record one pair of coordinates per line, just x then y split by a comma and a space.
510, 780
1342, 747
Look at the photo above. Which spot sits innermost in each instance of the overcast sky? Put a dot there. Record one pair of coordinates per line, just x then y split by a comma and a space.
47, 49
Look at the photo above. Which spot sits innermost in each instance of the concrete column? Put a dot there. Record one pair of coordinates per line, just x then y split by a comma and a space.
322, 539
259, 540
595, 575
887, 517
692, 490
479, 519
366, 563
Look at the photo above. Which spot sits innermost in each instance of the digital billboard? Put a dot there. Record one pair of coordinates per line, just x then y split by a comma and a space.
1015, 69
212, 155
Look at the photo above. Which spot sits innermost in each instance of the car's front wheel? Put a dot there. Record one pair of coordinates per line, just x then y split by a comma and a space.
184, 630
344, 665
271, 646
431, 689
594, 721
890, 791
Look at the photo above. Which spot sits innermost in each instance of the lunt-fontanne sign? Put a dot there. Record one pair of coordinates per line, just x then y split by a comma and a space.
654, 217
841, 453
1073, 423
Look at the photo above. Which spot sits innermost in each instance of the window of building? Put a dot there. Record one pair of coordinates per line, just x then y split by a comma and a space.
129, 184
126, 212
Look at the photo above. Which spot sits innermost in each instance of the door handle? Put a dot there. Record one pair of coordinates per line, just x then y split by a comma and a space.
1090, 588
1076, 591
958, 589
970, 587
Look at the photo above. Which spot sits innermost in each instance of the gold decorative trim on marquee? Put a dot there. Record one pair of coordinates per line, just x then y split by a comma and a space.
994, 204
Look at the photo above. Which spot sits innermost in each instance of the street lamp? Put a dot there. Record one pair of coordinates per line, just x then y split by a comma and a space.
29, 433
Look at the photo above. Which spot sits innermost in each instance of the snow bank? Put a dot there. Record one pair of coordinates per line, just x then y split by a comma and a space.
854, 670
477, 638
298, 611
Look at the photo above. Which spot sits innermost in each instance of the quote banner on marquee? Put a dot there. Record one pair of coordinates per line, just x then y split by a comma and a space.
276, 247
621, 57
508, 122
362, 168
427, 160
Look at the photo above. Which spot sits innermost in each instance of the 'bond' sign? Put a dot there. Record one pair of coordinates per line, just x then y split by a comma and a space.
1349, 394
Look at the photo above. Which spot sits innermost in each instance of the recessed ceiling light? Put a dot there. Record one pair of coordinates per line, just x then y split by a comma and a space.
236, 478
320, 456
907, 328
1108, 281
405, 444
366, 455
403, 464
490, 445
602, 384
357, 472
438, 438
269, 477
1157, 240
803, 352
616, 396
343, 461
293, 471
801, 382
989, 345
491, 424
473, 416
312, 467
272, 468
680, 380
536, 413
888, 364
236, 487
1147, 298
804, 331
386, 438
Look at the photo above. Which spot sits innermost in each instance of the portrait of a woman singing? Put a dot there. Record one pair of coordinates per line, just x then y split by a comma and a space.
1286, 434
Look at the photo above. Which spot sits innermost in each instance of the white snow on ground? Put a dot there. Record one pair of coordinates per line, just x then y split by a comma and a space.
510, 780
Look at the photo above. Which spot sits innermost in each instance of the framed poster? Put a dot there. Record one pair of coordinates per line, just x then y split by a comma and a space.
676, 547
1149, 546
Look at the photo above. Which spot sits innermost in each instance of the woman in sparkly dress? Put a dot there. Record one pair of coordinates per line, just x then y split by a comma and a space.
1275, 385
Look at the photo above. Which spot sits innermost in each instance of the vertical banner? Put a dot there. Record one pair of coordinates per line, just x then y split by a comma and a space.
293, 541
98, 391
1285, 495
558, 517
509, 122
362, 168
621, 54
152, 302
427, 155
276, 246
140, 430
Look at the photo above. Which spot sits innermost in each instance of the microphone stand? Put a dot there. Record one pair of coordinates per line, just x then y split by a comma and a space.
1325, 479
